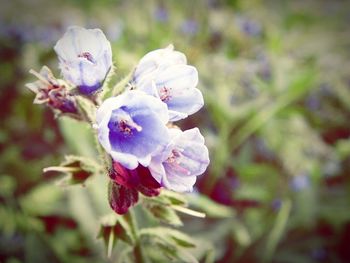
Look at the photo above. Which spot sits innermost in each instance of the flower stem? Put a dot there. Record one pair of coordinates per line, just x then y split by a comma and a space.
105, 159
137, 250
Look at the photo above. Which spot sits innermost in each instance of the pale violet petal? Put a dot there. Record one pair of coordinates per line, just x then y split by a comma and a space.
177, 78
165, 55
194, 155
179, 183
129, 161
145, 161
103, 131
174, 134
157, 170
175, 115
107, 106
193, 135
157, 59
185, 103
64, 47
140, 100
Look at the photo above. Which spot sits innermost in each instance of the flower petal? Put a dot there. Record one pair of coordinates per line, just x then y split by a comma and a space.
177, 78
185, 104
157, 170
179, 183
158, 58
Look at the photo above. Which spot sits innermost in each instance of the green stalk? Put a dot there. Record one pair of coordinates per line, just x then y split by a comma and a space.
104, 157
137, 249
277, 231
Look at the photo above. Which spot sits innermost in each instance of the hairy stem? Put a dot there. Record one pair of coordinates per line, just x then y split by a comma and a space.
137, 250
104, 157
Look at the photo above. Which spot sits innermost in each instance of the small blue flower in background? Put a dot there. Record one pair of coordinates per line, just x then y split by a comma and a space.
300, 182
178, 166
161, 14
85, 57
164, 73
249, 27
132, 127
189, 27
115, 30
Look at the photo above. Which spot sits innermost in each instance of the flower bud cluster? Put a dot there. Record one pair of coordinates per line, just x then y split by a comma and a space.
52, 91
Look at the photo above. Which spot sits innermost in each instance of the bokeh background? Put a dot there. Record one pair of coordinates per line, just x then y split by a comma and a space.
276, 80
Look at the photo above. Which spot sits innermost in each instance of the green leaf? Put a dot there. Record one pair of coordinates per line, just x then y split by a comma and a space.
113, 228
298, 87
13, 221
343, 148
162, 211
241, 233
41, 200
174, 198
7, 185
278, 230
70, 129
169, 235
171, 242
209, 207
76, 168
107, 87
86, 108
110, 91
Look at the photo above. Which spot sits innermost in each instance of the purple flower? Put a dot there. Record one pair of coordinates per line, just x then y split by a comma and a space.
132, 127
185, 157
85, 57
189, 27
249, 27
300, 182
161, 14
164, 73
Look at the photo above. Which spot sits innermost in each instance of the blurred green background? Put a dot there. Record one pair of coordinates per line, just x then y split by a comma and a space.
276, 80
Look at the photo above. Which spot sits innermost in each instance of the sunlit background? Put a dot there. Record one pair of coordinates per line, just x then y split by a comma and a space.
276, 80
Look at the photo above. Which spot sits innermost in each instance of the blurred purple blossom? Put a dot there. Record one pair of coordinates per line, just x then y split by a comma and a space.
115, 30
161, 14
300, 182
276, 204
249, 26
189, 27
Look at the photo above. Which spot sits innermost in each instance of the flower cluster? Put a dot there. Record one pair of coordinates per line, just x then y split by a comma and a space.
135, 127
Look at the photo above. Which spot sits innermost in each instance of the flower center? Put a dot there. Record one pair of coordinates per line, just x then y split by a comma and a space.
122, 122
164, 94
174, 161
87, 55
